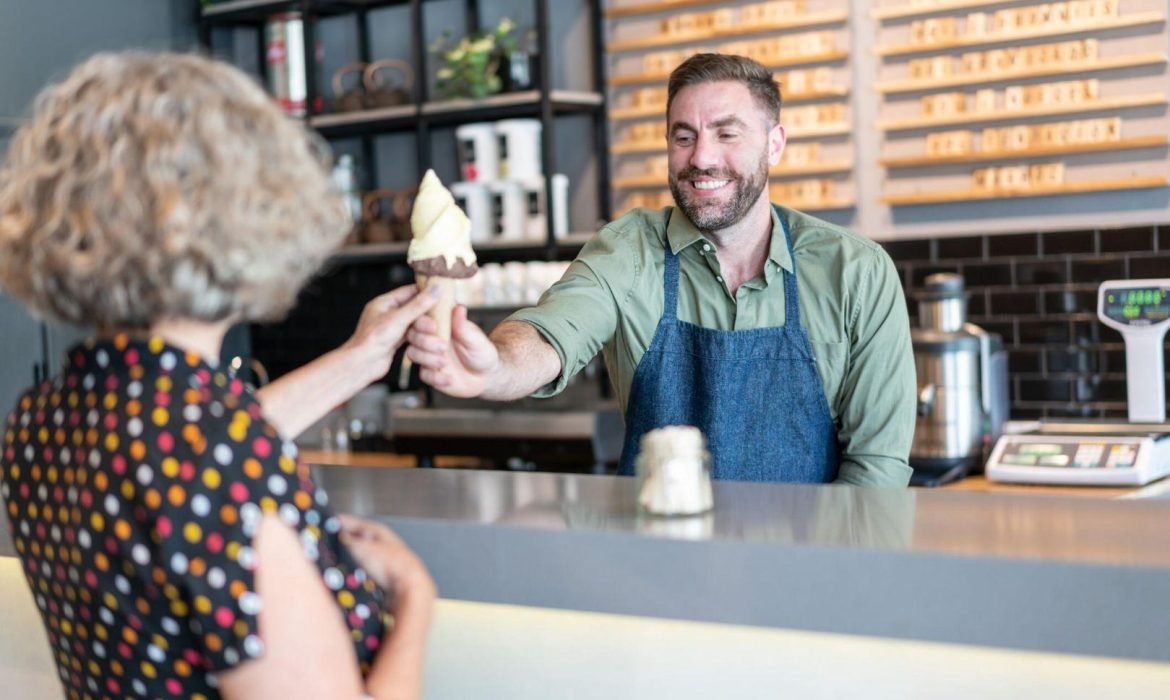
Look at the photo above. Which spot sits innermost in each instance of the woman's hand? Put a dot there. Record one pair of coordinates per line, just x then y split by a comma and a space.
398, 670
387, 559
383, 325
301, 397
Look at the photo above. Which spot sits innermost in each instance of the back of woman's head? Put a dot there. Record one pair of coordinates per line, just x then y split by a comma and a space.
161, 186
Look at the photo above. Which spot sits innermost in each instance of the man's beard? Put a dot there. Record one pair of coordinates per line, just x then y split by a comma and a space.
711, 217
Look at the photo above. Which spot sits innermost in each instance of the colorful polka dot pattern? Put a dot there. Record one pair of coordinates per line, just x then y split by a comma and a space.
133, 484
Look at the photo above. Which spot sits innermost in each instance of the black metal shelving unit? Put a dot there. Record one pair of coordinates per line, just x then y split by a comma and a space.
257, 11
425, 115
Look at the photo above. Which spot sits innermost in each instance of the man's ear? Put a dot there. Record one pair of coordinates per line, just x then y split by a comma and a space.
776, 140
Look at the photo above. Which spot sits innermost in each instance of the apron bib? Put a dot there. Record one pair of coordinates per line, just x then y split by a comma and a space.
756, 394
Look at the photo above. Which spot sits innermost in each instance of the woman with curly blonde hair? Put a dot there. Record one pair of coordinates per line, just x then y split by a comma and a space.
174, 544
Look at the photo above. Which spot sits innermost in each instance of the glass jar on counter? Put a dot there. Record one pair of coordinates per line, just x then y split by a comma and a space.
673, 469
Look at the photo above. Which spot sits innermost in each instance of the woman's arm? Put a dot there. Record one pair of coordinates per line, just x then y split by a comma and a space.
299, 398
308, 651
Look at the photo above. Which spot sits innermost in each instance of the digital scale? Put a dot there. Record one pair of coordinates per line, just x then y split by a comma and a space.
1104, 453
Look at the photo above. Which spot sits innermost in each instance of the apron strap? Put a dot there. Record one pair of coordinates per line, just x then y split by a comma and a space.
670, 276
791, 295
670, 286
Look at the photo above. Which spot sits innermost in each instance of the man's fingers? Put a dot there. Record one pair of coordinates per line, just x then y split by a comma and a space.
424, 359
460, 316
426, 341
434, 378
464, 332
426, 324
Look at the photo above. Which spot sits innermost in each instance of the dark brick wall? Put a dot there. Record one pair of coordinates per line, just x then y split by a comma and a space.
1039, 291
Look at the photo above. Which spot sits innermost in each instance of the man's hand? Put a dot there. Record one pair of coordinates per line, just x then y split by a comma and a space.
383, 324
460, 368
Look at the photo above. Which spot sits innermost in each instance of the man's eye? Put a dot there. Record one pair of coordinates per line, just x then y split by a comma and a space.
683, 140
728, 136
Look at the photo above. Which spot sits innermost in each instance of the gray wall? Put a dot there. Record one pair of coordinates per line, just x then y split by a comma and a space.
39, 42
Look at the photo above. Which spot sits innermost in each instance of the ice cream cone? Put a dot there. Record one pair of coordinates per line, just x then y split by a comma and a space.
440, 251
442, 310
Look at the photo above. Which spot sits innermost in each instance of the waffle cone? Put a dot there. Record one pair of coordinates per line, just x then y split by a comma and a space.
442, 310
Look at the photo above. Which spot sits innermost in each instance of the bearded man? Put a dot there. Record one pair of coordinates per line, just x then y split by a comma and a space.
784, 338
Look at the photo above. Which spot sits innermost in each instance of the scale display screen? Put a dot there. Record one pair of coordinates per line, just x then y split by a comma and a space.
1137, 306
1089, 454
1100, 459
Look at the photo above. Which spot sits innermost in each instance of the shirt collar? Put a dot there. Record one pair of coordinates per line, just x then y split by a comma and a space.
123, 353
681, 233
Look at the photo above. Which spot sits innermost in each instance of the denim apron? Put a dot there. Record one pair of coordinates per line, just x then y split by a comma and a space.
756, 394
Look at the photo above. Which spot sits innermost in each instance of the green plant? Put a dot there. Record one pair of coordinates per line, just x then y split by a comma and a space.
471, 67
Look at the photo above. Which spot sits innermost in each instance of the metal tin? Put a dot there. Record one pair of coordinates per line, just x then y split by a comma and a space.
284, 37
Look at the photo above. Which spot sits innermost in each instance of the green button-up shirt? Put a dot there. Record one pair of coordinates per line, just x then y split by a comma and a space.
611, 299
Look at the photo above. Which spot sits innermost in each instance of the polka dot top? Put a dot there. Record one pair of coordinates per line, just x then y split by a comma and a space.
134, 483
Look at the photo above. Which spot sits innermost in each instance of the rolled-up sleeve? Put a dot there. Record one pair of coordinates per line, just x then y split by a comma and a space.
579, 313
877, 403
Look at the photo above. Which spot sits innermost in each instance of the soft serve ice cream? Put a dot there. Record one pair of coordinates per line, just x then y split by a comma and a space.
440, 251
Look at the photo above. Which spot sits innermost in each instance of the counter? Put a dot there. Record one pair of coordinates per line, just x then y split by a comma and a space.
550, 577
1074, 576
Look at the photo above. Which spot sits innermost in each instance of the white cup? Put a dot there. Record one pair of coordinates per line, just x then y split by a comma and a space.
509, 213
492, 284
536, 220
515, 280
518, 145
479, 156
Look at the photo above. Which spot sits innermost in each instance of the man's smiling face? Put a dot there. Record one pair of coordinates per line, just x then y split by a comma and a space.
720, 144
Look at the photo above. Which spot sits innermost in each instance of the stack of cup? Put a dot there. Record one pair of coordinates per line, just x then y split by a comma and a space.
504, 190
510, 285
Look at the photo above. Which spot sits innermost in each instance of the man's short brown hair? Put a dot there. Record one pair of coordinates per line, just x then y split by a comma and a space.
719, 67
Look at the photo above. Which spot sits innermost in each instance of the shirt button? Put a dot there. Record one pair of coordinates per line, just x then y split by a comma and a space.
719, 277
706, 247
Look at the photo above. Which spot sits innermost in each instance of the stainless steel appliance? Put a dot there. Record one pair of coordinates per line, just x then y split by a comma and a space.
962, 385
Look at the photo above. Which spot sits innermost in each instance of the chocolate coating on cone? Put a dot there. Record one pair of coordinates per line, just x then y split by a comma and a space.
437, 267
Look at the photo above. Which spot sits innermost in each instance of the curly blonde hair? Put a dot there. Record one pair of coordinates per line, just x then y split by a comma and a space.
160, 186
